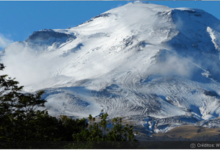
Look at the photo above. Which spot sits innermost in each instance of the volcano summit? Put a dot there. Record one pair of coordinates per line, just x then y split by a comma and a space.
153, 63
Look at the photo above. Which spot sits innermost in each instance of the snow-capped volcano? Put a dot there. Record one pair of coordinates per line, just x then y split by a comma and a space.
149, 61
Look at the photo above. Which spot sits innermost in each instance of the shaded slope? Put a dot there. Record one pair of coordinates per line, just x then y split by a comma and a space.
142, 60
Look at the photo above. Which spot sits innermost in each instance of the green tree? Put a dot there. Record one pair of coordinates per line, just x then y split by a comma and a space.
98, 136
24, 119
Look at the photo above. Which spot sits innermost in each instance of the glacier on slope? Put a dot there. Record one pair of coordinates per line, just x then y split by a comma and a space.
155, 63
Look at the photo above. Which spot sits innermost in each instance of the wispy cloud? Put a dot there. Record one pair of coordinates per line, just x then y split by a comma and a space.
4, 41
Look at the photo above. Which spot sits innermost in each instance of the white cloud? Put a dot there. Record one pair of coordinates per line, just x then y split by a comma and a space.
4, 41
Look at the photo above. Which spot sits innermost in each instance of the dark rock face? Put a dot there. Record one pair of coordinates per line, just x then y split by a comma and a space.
46, 34
101, 15
73, 50
211, 93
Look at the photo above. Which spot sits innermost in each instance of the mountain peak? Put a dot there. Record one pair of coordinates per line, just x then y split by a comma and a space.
139, 59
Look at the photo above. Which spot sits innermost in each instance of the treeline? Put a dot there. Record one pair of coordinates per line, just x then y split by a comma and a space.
25, 123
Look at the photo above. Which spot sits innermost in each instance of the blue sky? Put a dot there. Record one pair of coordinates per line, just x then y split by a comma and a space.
19, 19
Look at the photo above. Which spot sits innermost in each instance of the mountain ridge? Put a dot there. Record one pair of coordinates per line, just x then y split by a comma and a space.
156, 63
